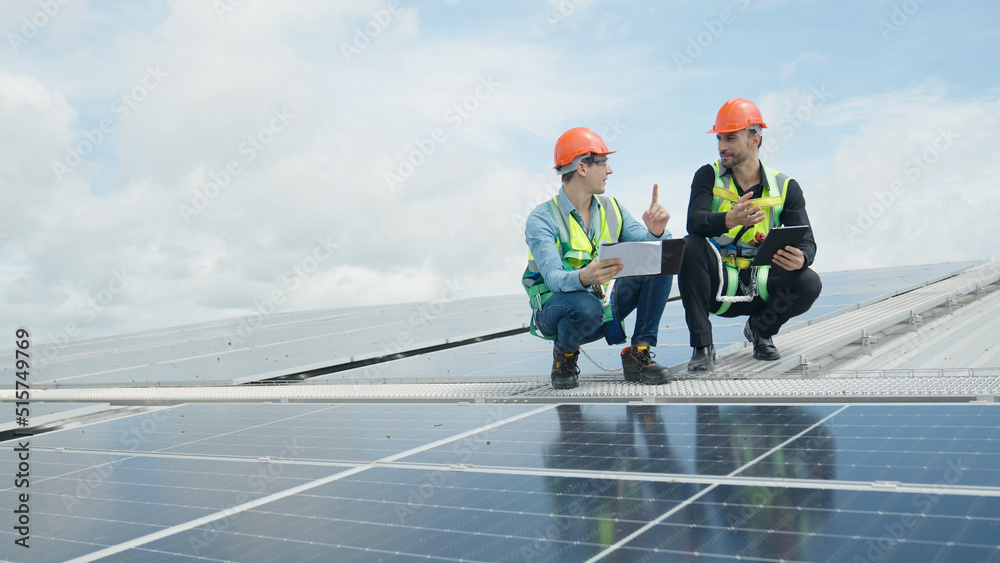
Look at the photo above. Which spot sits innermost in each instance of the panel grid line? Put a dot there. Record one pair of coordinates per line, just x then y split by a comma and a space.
614, 547
142, 540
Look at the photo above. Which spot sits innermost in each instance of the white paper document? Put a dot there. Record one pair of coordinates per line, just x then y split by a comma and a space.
638, 258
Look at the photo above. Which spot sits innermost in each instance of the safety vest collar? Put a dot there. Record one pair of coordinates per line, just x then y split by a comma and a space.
579, 248
740, 244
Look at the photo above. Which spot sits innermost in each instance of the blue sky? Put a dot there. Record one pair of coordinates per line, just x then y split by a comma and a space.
311, 155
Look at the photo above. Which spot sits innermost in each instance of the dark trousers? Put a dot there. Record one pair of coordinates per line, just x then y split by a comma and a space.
791, 293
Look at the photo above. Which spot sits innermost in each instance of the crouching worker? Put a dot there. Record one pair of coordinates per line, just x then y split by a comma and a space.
567, 284
734, 203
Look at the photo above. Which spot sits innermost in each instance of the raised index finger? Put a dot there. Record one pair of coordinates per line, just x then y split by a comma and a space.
656, 190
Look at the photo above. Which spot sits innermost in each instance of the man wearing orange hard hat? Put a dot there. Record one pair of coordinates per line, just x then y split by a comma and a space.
735, 202
565, 281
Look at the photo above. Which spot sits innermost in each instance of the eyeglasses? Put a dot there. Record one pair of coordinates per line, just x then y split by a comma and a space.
602, 162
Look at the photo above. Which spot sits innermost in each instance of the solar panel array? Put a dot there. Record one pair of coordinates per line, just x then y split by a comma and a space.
527, 355
565, 482
259, 347
583, 478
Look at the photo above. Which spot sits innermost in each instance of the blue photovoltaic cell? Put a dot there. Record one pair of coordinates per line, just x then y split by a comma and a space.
683, 439
526, 504
172, 426
919, 444
474, 517
82, 502
360, 432
791, 524
261, 345
385, 514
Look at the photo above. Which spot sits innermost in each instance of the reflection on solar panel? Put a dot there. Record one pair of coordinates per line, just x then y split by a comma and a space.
563, 482
487, 463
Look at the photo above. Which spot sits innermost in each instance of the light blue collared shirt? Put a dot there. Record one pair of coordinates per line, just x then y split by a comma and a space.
541, 233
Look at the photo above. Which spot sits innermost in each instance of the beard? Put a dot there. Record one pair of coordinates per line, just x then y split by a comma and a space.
736, 157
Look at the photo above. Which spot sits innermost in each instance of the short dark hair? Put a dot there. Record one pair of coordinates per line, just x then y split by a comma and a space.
755, 130
589, 159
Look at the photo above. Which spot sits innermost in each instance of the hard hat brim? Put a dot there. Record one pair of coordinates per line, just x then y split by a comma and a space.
714, 130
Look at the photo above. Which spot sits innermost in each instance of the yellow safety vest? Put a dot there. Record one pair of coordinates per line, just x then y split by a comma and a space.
739, 245
576, 248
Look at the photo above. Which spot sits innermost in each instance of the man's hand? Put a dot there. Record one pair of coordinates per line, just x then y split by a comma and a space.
656, 216
789, 258
600, 272
743, 213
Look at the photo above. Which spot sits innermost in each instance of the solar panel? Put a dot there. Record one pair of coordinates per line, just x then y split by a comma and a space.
261, 346
264, 346
760, 523
508, 482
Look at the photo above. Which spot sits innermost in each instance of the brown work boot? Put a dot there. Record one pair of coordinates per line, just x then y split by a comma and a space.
638, 365
565, 372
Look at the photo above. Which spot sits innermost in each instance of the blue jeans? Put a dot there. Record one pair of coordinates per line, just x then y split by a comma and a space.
577, 316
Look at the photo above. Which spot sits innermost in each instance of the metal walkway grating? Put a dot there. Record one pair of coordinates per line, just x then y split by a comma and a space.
934, 385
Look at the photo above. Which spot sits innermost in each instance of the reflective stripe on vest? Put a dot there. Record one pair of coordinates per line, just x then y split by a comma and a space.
737, 254
575, 246
724, 194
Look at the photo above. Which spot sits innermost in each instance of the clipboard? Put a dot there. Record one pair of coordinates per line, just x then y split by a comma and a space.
645, 258
778, 238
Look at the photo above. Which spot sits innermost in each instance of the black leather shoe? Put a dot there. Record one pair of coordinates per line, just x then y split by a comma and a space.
638, 365
565, 372
763, 348
703, 359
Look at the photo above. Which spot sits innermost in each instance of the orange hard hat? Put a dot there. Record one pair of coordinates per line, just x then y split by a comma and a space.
578, 141
736, 115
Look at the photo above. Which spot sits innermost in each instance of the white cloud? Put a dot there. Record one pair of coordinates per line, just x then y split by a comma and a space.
910, 184
362, 89
204, 98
